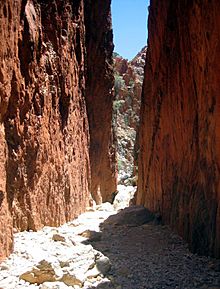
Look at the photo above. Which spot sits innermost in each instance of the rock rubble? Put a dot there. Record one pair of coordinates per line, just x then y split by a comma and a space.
91, 252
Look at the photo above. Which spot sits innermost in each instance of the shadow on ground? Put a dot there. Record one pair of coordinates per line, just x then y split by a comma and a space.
148, 255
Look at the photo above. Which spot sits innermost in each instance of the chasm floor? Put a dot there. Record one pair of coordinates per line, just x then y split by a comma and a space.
104, 248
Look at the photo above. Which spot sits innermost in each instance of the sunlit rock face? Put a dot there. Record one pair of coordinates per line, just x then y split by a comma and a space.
126, 109
99, 98
43, 113
49, 66
180, 121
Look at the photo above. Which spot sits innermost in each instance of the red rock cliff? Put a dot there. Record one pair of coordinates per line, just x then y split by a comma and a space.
44, 155
179, 157
99, 98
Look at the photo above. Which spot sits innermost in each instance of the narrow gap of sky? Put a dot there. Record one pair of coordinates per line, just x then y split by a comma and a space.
129, 19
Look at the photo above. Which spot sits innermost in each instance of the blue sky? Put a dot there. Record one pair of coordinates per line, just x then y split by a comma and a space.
129, 26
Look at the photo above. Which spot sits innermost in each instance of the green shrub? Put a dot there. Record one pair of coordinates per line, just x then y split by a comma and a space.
119, 83
131, 82
120, 165
115, 54
117, 104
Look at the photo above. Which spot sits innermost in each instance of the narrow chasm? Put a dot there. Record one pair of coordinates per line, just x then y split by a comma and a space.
109, 168
129, 77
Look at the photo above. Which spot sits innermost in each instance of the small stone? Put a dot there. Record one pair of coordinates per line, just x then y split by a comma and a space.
91, 235
72, 279
74, 224
59, 238
4, 267
15, 230
105, 284
103, 264
90, 209
64, 263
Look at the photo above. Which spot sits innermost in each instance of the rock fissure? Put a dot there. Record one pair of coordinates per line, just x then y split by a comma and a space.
74, 116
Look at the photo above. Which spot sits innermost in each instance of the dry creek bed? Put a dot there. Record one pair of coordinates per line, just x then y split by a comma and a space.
106, 248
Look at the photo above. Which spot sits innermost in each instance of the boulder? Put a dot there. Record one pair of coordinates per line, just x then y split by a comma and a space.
103, 265
133, 216
44, 271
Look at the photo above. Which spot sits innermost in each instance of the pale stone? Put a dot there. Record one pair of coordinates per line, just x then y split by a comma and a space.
105, 284
123, 197
92, 273
103, 264
88, 284
105, 207
54, 285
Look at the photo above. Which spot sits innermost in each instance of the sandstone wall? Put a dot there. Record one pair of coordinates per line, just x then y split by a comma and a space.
126, 111
44, 157
179, 158
99, 98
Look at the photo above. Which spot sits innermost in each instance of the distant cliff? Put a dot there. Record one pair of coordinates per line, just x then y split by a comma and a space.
126, 109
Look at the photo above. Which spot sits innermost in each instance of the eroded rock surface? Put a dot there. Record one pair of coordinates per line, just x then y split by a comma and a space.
99, 98
44, 131
43, 112
180, 120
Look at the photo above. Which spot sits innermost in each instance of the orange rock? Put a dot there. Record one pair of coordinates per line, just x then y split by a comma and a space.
180, 121
44, 158
99, 99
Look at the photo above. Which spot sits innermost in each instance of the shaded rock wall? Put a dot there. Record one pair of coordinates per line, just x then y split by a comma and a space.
179, 158
99, 98
44, 157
